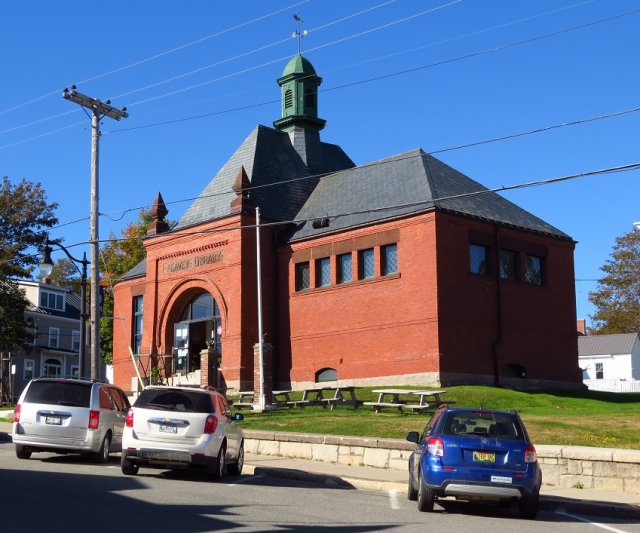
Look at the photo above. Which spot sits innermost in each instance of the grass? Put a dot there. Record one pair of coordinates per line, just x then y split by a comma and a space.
581, 418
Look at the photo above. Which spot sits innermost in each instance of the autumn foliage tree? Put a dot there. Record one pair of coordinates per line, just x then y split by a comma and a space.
117, 257
617, 297
25, 216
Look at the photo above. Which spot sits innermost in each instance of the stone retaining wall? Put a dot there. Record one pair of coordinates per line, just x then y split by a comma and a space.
563, 466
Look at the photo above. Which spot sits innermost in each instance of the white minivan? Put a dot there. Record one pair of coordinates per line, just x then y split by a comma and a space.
69, 415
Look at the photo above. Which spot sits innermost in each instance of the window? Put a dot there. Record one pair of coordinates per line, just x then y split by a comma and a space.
75, 340
303, 280
478, 259
533, 270
27, 369
389, 254
326, 374
310, 98
344, 272
75, 371
365, 264
323, 272
599, 370
288, 98
54, 337
52, 368
137, 324
508, 264
52, 300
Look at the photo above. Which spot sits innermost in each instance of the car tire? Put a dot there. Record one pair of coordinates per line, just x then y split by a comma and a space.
216, 470
235, 469
426, 497
528, 506
412, 492
23, 452
102, 455
128, 467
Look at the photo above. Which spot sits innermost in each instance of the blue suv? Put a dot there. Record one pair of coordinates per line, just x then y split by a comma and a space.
474, 454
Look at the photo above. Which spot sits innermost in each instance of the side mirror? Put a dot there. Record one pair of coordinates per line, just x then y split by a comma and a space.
238, 417
413, 436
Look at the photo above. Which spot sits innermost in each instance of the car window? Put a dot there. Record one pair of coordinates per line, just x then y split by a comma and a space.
59, 393
431, 424
116, 398
175, 400
125, 400
483, 424
105, 399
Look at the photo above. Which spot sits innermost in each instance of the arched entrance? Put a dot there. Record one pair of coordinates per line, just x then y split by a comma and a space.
198, 329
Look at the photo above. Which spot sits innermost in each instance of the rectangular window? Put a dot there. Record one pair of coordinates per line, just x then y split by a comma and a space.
75, 371
52, 300
303, 276
508, 265
533, 270
478, 259
599, 371
345, 268
323, 272
54, 337
27, 370
389, 255
137, 324
75, 341
365, 264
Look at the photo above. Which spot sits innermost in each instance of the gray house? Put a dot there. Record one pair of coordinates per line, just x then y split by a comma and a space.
54, 320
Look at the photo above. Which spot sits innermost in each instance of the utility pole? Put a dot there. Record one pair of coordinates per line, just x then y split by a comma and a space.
98, 110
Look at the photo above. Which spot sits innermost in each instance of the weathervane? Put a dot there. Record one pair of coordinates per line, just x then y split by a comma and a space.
298, 33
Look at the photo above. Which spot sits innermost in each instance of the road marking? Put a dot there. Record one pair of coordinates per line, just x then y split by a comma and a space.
586, 521
244, 479
393, 499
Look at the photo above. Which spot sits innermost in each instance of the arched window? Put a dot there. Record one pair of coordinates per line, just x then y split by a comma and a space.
52, 368
288, 98
514, 370
310, 98
326, 374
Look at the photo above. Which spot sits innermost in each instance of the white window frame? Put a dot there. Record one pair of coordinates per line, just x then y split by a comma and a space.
54, 333
28, 363
75, 341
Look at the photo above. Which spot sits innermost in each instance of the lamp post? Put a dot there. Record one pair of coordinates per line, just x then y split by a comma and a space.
46, 267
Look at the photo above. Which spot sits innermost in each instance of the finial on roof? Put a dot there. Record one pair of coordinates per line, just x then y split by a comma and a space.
158, 213
241, 187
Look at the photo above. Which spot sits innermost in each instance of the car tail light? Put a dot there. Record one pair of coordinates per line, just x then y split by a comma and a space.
16, 413
435, 446
210, 424
94, 419
530, 455
129, 419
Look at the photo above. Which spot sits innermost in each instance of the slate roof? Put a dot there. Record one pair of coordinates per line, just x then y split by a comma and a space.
137, 271
405, 184
618, 344
267, 157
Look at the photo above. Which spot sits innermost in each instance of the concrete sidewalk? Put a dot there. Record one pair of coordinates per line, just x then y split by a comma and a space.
570, 500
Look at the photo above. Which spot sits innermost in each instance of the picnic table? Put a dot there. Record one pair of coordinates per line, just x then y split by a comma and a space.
325, 396
413, 400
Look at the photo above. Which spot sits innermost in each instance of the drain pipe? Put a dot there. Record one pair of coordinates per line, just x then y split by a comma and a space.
494, 348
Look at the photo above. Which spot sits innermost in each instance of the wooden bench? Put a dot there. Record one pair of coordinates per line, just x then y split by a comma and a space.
379, 405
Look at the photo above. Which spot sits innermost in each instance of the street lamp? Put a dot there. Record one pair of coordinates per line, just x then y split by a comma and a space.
46, 267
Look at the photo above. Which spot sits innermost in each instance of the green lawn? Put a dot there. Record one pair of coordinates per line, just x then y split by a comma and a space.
584, 418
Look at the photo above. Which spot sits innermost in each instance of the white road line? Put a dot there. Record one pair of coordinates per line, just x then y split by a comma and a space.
586, 521
393, 499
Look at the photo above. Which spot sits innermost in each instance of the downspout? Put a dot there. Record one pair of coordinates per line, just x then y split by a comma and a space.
494, 348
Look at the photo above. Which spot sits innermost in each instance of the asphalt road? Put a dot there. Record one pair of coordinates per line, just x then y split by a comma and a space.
64, 493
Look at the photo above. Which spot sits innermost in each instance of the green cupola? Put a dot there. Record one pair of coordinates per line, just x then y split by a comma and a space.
299, 88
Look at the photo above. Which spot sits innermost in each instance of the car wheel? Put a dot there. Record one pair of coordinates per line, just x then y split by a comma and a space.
216, 470
22, 452
412, 493
102, 456
235, 469
426, 497
528, 506
128, 467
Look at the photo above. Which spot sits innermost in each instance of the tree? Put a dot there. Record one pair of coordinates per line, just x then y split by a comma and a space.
617, 297
119, 256
25, 215
65, 274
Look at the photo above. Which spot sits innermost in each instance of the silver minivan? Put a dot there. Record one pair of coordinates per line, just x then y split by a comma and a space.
69, 415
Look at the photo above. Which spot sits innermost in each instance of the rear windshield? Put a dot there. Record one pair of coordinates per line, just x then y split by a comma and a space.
59, 393
483, 424
175, 400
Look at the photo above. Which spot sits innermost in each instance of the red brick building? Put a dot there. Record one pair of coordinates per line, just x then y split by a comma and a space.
395, 272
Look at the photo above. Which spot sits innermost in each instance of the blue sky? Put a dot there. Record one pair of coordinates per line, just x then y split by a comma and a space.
393, 77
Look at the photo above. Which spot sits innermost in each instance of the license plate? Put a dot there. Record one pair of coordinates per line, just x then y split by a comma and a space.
168, 429
484, 457
53, 420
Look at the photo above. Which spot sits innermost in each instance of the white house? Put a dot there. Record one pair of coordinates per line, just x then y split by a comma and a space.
610, 362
